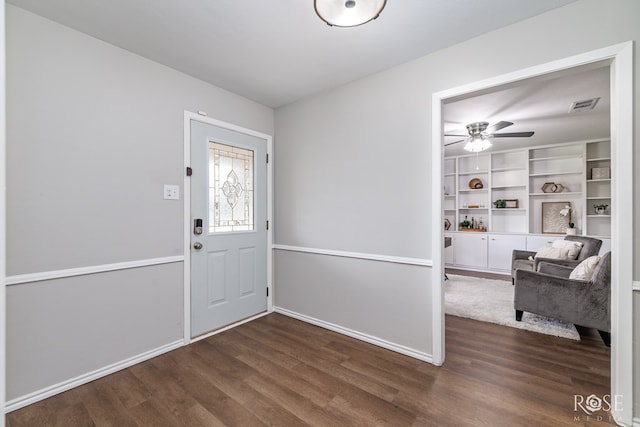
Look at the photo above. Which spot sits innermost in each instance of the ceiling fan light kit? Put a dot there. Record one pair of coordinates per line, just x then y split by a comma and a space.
480, 134
348, 13
475, 144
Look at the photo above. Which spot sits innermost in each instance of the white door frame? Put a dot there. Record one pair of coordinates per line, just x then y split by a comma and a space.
188, 116
620, 58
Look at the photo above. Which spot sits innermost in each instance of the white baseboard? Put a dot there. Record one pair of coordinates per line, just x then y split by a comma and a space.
36, 396
357, 335
226, 328
636, 287
636, 422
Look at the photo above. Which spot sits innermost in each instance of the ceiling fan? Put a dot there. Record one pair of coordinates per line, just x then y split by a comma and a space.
480, 133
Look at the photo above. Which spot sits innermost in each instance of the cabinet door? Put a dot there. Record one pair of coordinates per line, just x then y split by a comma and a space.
470, 250
501, 248
534, 243
448, 251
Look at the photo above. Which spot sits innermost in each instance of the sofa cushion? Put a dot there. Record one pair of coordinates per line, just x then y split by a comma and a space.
585, 269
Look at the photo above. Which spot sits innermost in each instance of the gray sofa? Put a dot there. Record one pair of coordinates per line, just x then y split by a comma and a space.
549, 292
520, 259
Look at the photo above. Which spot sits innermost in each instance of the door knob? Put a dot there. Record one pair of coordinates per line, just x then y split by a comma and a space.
197, 246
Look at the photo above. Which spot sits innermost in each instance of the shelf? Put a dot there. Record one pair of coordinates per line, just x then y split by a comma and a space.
598, 198
598, 216
599, 180
508, 169
474, 209
555, 173
541, 159
565, 193
477, 190
497, 187
599, 159
450, 174
450, 196
508, 209
473, 173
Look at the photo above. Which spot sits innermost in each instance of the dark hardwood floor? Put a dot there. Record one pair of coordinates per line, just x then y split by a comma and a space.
282, 372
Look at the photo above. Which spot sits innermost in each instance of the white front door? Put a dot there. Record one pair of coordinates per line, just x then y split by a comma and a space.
228, 226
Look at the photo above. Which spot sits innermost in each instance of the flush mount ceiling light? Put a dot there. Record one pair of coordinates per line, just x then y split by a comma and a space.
348, 13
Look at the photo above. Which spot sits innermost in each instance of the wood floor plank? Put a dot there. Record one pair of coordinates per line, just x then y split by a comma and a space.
278, 371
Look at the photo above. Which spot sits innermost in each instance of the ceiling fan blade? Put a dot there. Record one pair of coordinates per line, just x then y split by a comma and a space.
455, 142
497, 126
457, 134
511, 135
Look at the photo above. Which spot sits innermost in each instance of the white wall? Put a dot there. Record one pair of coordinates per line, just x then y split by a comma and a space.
352, 164
2, 214
93, 134
636, 354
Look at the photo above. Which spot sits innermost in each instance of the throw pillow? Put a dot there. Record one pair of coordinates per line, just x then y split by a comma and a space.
551, 252
573, 248
584, 270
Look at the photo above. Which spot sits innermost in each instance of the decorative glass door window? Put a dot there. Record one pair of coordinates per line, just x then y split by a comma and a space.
230, 188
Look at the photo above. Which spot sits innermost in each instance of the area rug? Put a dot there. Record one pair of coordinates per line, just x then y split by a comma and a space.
492, 301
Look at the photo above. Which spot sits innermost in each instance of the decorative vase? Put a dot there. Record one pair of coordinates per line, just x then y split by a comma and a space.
571, 231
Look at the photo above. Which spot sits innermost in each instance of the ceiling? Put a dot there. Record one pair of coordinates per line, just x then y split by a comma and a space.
278, 51
541, 105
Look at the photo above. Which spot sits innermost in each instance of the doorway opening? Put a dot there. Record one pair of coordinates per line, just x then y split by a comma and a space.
619, 61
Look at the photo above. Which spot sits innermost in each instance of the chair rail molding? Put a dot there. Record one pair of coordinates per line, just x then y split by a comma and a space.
92, 269
358, 255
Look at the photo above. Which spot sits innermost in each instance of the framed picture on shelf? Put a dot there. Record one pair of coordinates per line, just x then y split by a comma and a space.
553, 222
511, 203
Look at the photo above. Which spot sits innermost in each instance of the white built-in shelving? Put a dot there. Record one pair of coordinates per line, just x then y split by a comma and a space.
518, 176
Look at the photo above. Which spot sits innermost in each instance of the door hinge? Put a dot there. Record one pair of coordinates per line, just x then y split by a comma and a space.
267, 291
189, 171
267, 157
267, 225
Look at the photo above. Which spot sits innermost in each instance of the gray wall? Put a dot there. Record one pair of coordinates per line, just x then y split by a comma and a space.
353, 163
93, 133
394, 307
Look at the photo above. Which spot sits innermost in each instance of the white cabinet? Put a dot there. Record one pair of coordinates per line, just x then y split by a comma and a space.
470, 249
448, 251
534, 243
501, 247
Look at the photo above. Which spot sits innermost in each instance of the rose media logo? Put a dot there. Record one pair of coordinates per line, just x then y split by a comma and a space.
590, 405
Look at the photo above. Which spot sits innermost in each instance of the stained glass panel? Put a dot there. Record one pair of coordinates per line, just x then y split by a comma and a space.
230, 188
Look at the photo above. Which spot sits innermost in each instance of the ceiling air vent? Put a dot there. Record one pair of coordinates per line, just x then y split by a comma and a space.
587, 104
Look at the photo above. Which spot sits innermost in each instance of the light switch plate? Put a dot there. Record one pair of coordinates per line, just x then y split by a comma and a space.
171, 192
